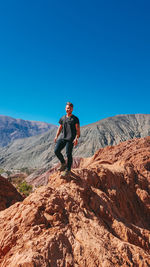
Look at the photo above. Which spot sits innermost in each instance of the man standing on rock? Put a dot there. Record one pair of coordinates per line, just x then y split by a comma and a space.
70, 128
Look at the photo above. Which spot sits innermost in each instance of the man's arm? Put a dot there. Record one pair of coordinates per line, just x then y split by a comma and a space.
77, 134
58, 133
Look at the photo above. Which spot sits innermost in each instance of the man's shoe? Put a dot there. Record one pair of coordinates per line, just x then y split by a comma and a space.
62, 167
66, 174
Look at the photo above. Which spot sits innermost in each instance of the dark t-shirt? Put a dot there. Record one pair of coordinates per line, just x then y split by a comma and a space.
69, 129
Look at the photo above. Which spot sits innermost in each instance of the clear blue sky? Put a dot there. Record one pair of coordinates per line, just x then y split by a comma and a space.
93, 53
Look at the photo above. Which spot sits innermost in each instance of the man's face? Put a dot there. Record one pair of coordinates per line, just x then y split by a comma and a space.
69, 109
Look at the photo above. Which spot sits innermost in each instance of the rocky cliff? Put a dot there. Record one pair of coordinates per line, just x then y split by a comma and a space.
38, 151
99, 216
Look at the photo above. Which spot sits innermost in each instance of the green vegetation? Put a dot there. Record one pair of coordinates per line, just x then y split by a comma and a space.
18, 180
1, 171
24, 188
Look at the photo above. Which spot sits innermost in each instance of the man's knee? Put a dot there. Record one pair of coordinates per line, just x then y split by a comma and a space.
57, 147
56, 151
69, 154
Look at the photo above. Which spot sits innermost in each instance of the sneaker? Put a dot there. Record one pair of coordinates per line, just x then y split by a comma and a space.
66, 174
62, 167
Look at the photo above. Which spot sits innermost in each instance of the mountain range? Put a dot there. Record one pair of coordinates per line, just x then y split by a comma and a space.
38, 151
12, 129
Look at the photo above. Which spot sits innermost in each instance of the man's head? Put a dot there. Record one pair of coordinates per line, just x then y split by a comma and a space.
69, 108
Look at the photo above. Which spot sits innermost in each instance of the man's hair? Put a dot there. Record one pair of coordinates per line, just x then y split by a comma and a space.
69, 104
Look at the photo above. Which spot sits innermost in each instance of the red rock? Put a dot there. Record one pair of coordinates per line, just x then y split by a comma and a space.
8, 194
100, 216
41, 176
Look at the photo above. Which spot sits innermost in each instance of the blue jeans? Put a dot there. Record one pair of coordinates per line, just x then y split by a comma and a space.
61, 143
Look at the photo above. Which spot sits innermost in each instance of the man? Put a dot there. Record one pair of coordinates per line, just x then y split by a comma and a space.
70, 129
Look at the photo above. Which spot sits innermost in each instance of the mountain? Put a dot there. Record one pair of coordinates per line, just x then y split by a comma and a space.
38, 151
11, 129
112, 131
99, 216
30, 152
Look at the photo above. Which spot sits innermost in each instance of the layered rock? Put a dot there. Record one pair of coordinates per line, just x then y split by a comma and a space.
98, 216
8, 194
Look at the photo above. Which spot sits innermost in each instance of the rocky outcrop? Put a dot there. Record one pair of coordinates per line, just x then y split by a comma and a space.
41, 176
12, 129
38, 151
98, 216
8, 194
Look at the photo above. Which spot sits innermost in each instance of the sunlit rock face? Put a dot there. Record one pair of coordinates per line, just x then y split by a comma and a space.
98, 216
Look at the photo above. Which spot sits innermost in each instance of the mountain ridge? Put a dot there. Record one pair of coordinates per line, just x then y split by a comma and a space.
118, 115
12, 129
38, 151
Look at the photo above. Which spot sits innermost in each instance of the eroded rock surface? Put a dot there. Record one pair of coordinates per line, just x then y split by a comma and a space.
8, 194
99, 216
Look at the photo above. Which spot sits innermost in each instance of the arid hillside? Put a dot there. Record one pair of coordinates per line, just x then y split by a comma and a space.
12, 129
38, 151
99, 216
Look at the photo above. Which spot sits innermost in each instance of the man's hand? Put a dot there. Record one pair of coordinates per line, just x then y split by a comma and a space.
77, 134
75, 142
58, 133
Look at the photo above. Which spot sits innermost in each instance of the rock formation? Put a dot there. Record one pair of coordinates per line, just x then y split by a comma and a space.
99, 216
41, 176
8, 194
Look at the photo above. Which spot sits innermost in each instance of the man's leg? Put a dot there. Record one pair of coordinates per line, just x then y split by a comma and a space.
69, 148
59, 146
